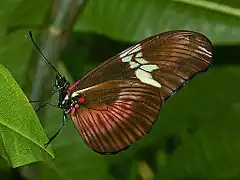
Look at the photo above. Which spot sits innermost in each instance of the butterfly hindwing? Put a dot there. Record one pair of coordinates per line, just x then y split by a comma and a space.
115, 114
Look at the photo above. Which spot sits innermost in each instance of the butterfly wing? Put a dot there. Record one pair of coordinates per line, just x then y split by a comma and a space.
168, 60
123, 95
116, 113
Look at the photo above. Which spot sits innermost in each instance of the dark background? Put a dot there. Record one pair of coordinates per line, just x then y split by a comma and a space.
197, 133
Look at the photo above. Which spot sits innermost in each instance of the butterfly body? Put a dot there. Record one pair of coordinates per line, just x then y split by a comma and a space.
117, 102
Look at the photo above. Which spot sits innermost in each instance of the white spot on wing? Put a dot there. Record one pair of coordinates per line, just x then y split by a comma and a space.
133, 65
149, 67
139, 54
146, 77
208, 53
127, 58
143, 71
75, 94
141, 60
205, 50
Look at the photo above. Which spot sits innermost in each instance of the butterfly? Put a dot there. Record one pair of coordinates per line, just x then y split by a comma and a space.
117, 102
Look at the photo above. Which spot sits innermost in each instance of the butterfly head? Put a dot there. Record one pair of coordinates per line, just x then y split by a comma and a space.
71, 102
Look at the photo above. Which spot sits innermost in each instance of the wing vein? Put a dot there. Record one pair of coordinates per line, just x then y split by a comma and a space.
141, 114
94, 122
86, 132
109, 131
123, 130
129, 122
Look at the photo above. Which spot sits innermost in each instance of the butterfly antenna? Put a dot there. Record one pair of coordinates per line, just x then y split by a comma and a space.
44, 57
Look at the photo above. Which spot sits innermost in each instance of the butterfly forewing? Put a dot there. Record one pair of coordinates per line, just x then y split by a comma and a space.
116, 114
184, 53
123, 95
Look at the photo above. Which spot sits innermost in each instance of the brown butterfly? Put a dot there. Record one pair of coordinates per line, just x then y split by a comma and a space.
118, 101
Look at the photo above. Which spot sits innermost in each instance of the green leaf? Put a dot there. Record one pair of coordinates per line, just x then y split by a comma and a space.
132, 20
22, 136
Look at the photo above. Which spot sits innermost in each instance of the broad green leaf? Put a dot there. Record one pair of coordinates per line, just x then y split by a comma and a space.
132, 20
22, 136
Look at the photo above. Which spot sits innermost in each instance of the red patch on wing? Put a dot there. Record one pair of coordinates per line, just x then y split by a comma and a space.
73, 111
72, 86
81, 99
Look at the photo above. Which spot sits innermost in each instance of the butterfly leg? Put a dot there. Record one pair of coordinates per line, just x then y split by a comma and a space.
56, 90
64, 122
34, 101
45, 104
